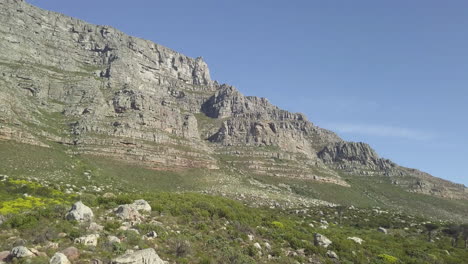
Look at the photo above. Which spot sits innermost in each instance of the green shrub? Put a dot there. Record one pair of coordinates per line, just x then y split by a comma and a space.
277, 224
388, 259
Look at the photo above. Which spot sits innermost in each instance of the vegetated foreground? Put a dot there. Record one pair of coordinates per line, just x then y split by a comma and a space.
39, 225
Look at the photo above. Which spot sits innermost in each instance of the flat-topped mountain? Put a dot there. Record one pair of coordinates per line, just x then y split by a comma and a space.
84, 91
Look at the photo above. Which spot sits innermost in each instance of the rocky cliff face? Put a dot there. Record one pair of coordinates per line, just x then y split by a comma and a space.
102, 92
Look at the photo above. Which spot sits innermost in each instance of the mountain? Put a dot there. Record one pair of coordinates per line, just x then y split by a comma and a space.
88, 104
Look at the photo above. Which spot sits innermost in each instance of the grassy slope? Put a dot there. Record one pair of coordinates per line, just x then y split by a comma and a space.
196, 228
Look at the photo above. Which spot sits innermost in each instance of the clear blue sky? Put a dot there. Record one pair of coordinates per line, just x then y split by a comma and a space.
393, 74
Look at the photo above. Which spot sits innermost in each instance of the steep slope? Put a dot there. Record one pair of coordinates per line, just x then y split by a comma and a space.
99, 92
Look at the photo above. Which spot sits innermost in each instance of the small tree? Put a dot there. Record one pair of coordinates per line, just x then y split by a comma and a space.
453, 231
430, 227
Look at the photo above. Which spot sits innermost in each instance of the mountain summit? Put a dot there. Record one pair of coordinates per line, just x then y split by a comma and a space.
84, 91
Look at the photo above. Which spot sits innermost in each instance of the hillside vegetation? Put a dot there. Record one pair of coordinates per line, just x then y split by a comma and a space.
197, 228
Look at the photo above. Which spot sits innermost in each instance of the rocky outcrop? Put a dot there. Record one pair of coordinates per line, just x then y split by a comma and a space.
356, 157
146, 256
100, 92
127, 212
80, 212
321, 240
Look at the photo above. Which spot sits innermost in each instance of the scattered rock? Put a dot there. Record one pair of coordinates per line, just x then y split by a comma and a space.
89, 240
141, 205
95, 227
382, 230
113, 239
59, 258
72, 253
80, 213
257, 246
145, 256
21, 252
127, 212
321, 240
332, 254
151, 235
51, 245
356, 239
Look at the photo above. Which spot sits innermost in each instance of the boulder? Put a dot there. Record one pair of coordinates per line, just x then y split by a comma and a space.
80, 212
321, 240
72, 253
89, 240
145, 256
141, 205
21, 252
59, 258
127, 212
257, 246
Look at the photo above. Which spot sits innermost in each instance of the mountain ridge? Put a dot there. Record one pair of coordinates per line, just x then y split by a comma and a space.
101, 92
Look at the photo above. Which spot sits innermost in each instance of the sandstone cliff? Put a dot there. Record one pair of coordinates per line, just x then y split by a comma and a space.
102, 92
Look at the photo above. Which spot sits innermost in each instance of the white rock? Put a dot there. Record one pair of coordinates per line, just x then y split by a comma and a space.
80, 213
257, 246
356, 239
145, 256
89, 240
382, 230
113, 239
141, 205
321, 240
127, 212
21, 252
59, 258
332, 254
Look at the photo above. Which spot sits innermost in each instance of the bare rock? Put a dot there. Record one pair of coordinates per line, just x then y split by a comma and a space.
89, 240
321, 240
141, 205
21, 252
332, 254
72, 253
80, 212
127, 212
59, 258
382, 230
145, 256
356, 239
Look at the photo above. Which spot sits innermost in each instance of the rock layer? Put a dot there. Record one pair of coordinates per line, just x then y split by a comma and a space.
101, 92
